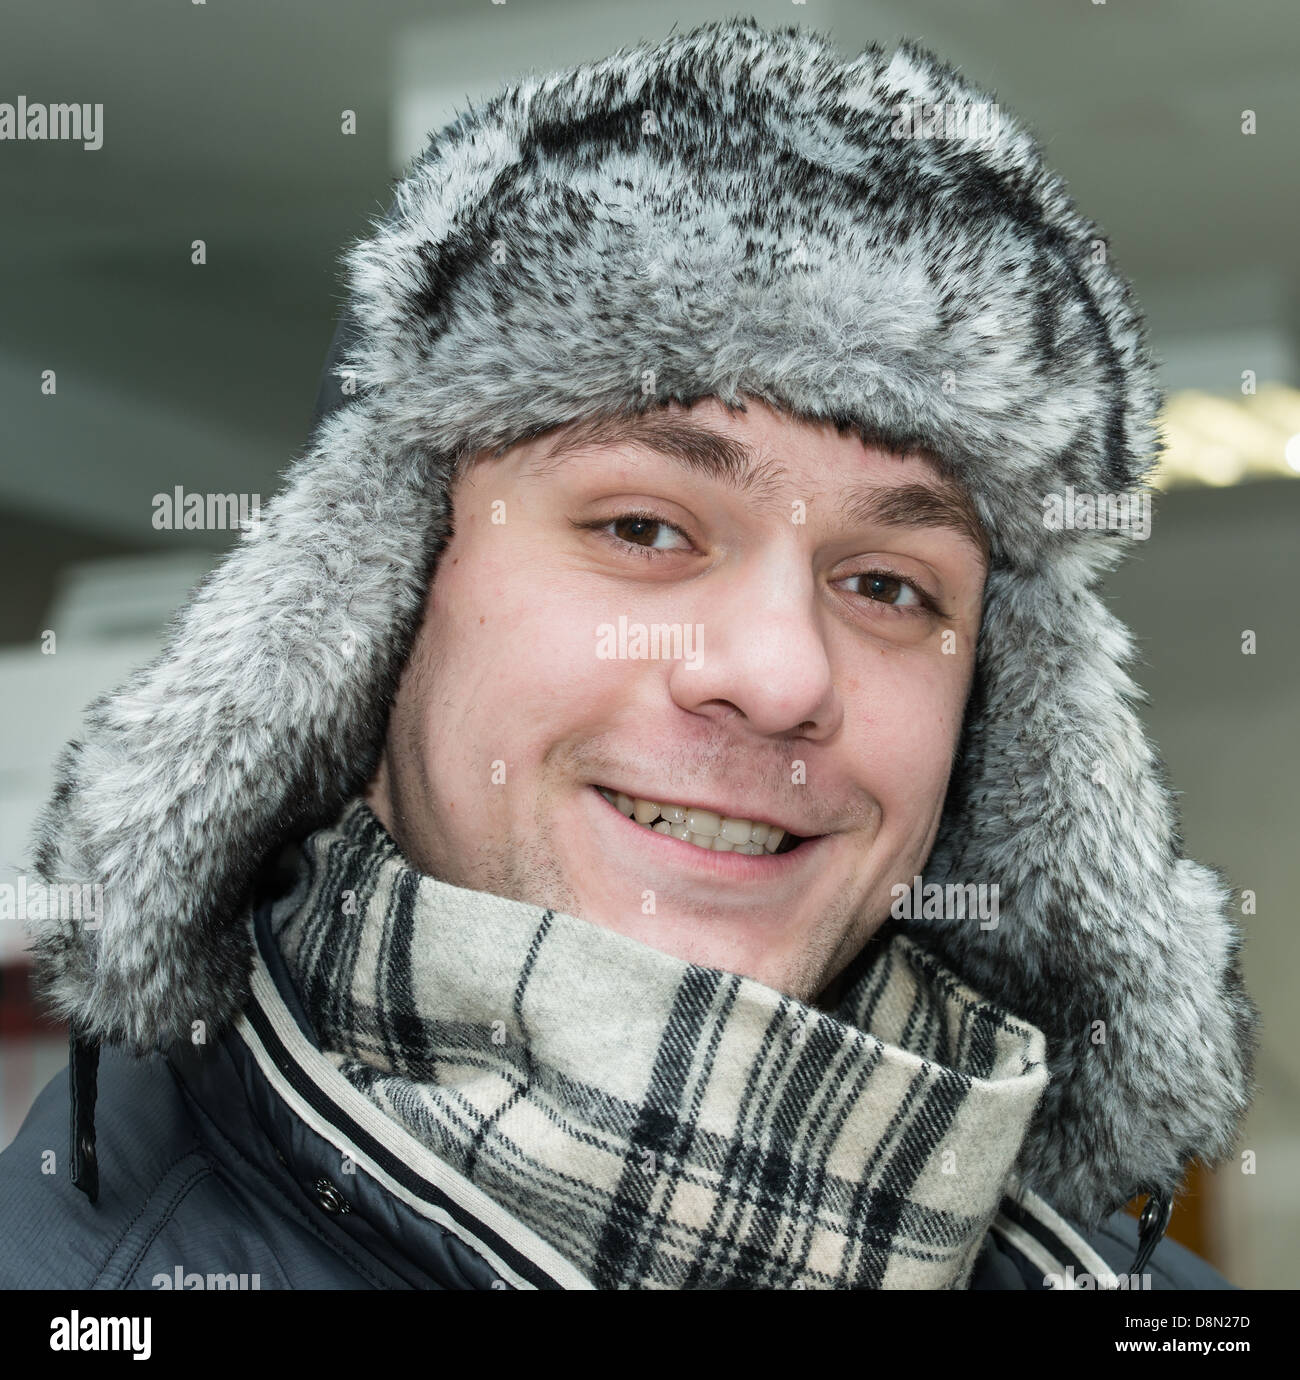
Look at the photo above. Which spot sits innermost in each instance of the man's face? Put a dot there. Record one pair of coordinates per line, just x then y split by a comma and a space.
703, 630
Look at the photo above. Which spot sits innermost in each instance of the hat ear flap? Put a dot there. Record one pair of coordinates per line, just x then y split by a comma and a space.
1117, 948
264, 712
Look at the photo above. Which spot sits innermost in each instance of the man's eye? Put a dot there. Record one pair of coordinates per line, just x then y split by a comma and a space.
884, 587
651, 535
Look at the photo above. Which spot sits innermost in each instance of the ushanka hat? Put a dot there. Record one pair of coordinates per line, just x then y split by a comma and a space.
732, 212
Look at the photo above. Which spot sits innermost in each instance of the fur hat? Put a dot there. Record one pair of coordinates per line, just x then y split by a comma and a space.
731, 212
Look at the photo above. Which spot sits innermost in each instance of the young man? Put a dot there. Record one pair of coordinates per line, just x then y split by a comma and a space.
656, 803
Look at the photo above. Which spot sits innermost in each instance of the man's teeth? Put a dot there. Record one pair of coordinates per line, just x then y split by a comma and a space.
704, 828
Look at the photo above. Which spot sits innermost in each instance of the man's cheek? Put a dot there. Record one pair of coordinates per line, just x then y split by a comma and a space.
553, 629
909, 746
534, 679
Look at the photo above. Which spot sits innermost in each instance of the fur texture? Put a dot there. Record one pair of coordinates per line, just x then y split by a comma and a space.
556, 253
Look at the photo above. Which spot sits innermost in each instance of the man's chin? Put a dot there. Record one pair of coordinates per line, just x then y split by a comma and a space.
724, 943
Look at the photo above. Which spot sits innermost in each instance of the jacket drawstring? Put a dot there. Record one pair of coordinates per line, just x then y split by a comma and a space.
83, 1068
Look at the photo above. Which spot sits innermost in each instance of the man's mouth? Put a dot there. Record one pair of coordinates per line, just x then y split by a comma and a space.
705, 828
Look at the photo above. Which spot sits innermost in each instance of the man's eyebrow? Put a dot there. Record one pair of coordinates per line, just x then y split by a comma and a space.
920, 505
696, 447
699, 448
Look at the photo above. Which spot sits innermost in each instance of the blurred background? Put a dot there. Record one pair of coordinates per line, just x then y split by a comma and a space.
271, 133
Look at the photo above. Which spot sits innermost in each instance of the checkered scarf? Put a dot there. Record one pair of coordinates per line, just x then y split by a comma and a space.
662, 1124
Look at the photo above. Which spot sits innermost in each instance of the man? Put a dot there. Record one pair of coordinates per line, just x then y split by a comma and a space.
654, 804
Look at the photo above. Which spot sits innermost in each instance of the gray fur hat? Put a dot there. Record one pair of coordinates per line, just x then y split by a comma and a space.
729, 212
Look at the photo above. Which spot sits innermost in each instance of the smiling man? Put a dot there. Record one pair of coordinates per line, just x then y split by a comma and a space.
772, 794
451, 939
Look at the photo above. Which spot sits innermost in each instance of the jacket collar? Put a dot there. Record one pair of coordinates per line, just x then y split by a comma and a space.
378, 1169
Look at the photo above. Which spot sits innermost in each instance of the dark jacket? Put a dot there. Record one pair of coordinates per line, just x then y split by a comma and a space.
230, 1159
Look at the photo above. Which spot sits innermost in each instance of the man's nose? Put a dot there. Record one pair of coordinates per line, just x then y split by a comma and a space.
762, 652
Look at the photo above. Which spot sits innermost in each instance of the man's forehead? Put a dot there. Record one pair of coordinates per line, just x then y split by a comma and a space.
930, 502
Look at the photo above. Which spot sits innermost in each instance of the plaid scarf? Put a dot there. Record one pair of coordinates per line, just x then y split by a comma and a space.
662, 1124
